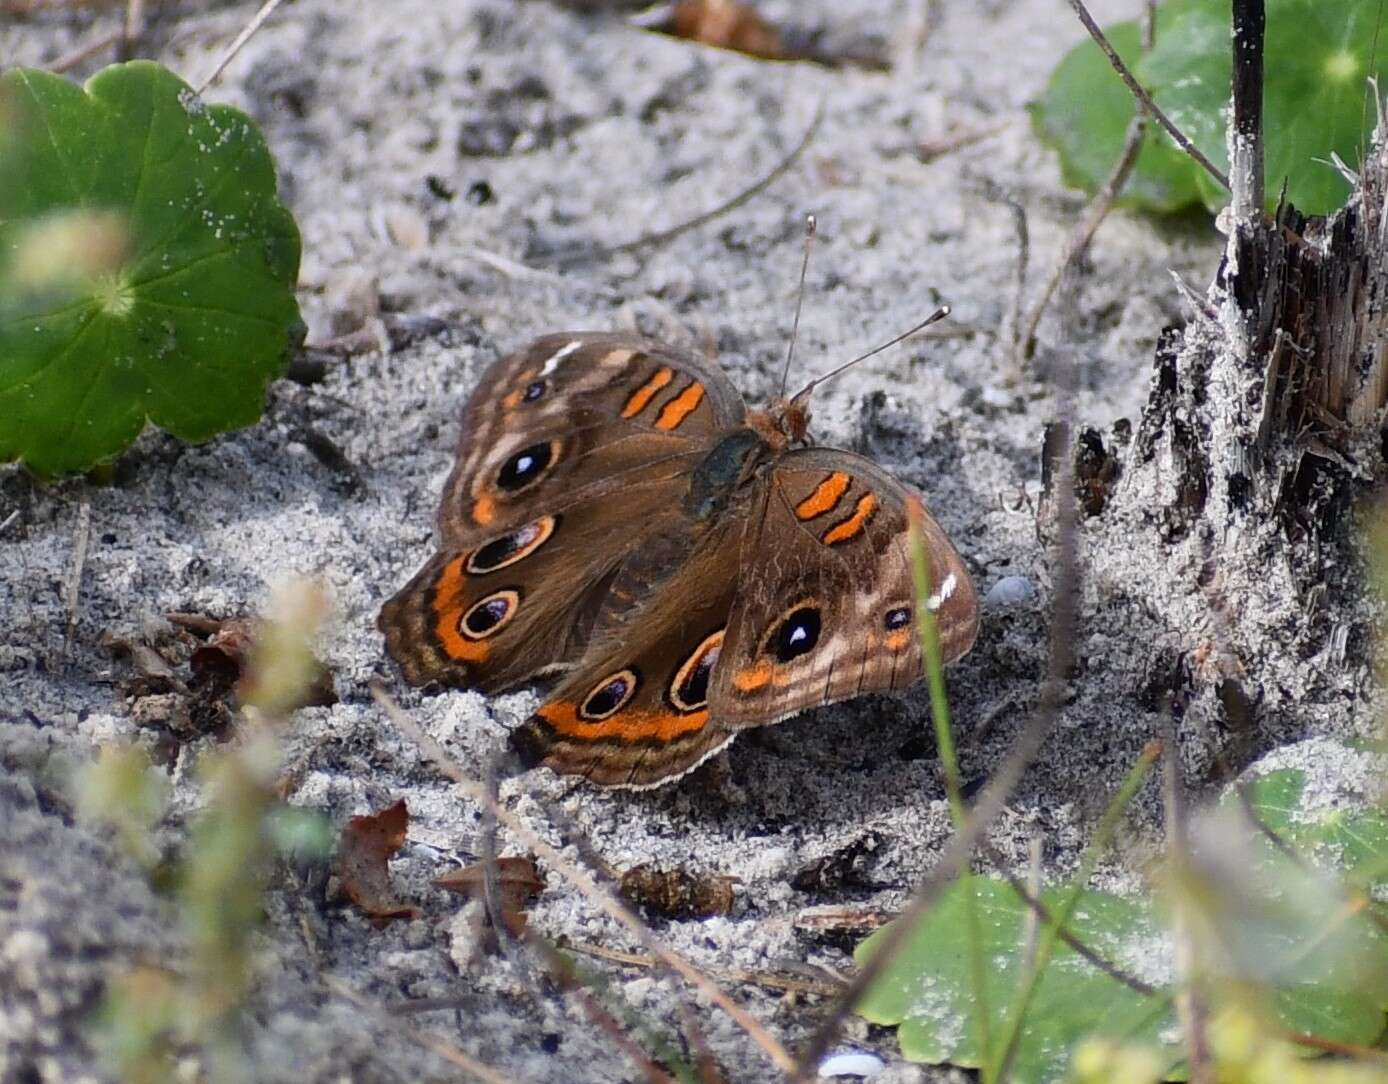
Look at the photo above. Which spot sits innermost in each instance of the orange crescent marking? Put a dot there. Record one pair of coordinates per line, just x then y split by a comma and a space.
483, 510
562, 717
827, 494
898, 640
646, 392
854, 524
447, 615
680, 407
754, 677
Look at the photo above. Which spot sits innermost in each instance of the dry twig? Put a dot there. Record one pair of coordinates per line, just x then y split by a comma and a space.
585, 883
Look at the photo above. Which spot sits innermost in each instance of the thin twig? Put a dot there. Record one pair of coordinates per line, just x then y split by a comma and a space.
1099, 208
754, 978
75, 56
247, 32
82, 537
585, 883
8, 520
134, 30
603, 874
444, 1049
589, 254
1039, 910
1144, 100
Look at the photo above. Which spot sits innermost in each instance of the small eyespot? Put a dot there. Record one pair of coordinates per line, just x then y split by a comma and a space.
609, 696
898, 618
490, 615
534, 390
527, 466
689, 690
796, 635
510, 548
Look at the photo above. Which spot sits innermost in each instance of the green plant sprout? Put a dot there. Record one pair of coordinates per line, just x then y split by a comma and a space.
153, 1015
1318, 58
147, 268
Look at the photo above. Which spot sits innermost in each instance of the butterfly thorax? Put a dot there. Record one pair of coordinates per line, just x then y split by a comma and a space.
742, 453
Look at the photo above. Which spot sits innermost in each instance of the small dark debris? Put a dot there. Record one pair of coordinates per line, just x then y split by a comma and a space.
844, 868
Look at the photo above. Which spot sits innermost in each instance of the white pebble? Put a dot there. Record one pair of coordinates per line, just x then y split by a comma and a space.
1009, 591
850, 1063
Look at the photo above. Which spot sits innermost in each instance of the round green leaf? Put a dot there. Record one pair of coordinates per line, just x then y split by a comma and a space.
147, 269
1316, 100
1084, 114
927, 989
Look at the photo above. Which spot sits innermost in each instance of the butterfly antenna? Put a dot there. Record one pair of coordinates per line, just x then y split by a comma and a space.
810, 225
938, 314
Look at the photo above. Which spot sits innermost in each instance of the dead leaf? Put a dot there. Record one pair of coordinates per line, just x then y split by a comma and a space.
727, 24
363, 854
518, 882
677, 894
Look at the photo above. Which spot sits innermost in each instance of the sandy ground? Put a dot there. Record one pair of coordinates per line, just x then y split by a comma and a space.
546, 128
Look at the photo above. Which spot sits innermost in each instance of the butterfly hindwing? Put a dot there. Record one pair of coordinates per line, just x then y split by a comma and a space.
634, 712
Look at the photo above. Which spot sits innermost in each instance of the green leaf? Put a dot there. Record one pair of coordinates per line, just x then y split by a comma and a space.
1275, 912
1084, 114
147, 269
926, 988
1317, 58
1315, 98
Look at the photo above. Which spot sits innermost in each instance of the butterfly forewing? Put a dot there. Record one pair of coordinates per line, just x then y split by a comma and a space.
572, 451
824, 606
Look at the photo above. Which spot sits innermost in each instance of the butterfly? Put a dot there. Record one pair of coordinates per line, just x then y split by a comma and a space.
690, 568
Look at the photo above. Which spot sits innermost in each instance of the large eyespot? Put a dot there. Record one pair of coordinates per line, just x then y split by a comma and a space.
527, 466
510, 548
898, 618
534, 390
689, 690
491, 615
795, 634
609, 696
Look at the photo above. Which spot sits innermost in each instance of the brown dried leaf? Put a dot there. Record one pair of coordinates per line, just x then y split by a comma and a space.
518, 881
677, 894
727, 24
363, 854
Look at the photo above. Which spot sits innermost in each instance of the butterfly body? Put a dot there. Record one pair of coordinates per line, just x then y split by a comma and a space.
692, 568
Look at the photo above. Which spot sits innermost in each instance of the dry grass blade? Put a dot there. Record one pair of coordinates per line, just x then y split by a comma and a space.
586, 884
72, 590
1099, 208
450, 1053
587, 254
1190, 1006
1144, 100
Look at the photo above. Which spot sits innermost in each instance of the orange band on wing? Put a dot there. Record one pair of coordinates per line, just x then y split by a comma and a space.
853, 526
827, 494
680, 407
754, 677
646, 392
625, 725
447, 614
483, 510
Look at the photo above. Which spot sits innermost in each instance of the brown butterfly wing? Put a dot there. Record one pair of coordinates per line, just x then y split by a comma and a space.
824, 605
634, 712
574, 400
531, 527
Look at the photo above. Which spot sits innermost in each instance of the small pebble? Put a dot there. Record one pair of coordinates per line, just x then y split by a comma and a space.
857, 1063
1009, 591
